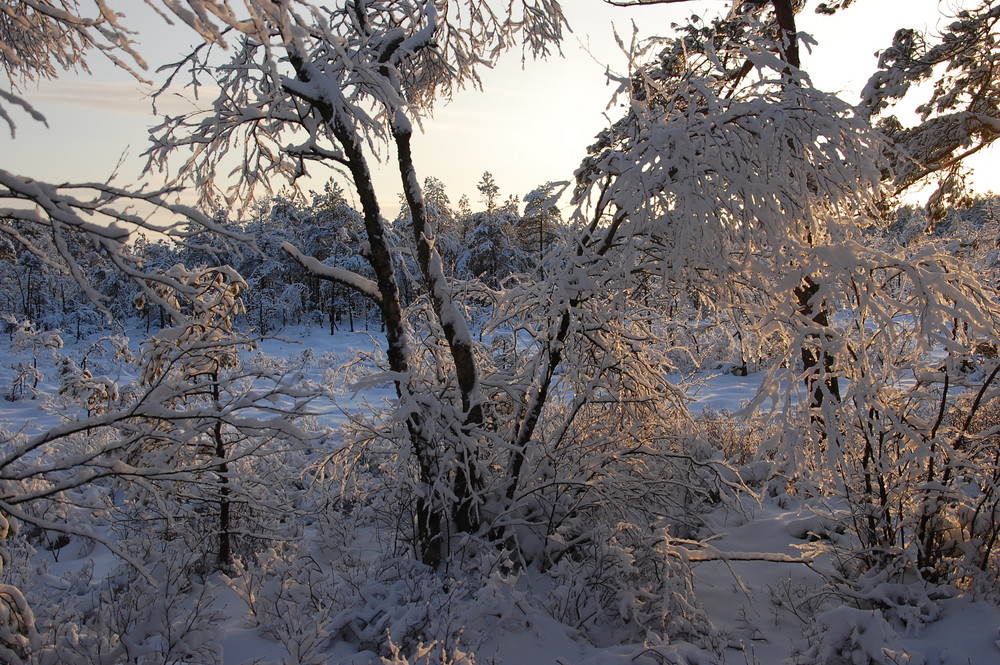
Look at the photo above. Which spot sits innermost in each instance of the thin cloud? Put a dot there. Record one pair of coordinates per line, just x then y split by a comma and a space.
103, 96
128, 98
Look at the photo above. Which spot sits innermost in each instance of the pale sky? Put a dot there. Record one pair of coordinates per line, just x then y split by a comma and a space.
527, 126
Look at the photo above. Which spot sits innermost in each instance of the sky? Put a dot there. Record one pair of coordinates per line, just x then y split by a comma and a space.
529, 124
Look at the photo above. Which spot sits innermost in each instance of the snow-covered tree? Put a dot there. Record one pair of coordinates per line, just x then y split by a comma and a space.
193, 359
489, 191
43, 39
311, 83
541, 225
958, 116
476, 430
491, 252
734, 176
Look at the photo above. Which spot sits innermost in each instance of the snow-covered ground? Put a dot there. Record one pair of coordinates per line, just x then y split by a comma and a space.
760, 580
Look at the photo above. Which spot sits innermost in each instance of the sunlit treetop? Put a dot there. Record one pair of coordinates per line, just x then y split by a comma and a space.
303, 79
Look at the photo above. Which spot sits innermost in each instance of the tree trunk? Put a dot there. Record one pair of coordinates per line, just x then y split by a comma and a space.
430, 518
817, 364
224, 556
467, 484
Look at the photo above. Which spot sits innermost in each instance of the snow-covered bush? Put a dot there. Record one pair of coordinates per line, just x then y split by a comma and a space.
156, 615
626, 583
384, 604
30, 345
870, 351
907, 443
741, 438
290, 599
848, 636
82, 389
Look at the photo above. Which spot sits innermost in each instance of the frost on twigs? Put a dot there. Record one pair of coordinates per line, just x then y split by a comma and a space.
124, 617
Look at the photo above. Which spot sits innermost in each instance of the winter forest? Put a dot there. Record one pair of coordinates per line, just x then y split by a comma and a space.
726, 394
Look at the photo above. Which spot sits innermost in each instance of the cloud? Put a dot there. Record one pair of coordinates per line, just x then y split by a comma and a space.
123, 97
103, 96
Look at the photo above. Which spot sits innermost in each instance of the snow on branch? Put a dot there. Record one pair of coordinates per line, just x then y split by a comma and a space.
105, 215
17, 101
362, 285
298, 74
712, 554
959, 116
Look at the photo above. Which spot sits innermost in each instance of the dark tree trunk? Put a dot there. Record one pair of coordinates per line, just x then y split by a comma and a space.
429, 522
785, 15
467, 484
224, 556
817, 363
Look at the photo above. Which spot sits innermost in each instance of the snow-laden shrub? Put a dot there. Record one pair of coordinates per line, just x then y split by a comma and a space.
904, 602
627, 583
17, 621
849, 636
919, 477
51, 508
155, 616
381, 603
31, 349
801, 600
267, 497
740, 438
906, 442
289, 600
603, 464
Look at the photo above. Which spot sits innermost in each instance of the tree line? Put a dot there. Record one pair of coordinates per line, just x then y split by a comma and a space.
492, 246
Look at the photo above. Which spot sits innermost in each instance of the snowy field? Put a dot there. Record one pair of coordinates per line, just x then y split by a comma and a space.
759, 583
533, 462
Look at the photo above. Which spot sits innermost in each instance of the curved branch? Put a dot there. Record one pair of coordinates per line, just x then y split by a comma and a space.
353, 280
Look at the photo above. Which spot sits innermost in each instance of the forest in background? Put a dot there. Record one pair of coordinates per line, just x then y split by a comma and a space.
535, 444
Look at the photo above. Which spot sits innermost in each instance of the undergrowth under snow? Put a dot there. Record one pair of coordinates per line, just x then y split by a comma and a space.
756, 588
